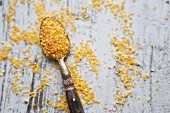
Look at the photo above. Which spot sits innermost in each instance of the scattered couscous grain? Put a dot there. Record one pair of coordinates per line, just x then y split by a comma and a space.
154, 8
148, 100
157, 89
26, 101
152, 70
147, 76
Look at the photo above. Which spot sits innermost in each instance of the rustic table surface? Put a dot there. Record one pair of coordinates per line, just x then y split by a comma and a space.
151, 25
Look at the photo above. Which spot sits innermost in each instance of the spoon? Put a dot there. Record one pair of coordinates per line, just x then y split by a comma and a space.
56, 45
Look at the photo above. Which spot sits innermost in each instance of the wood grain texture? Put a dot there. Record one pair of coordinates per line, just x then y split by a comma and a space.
150, 28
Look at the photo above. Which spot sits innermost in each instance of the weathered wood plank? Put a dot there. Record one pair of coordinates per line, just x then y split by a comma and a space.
150, 28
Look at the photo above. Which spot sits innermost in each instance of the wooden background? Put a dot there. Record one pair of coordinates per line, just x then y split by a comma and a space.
151, 28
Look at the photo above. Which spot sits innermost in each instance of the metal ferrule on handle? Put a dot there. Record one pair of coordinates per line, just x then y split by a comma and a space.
73, 99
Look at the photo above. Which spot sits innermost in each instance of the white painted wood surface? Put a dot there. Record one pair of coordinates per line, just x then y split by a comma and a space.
150, 28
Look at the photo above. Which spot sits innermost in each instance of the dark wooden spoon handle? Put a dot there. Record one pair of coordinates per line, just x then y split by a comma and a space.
74, 102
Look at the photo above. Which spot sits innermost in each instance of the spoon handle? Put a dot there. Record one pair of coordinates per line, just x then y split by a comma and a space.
74, 102
73, 99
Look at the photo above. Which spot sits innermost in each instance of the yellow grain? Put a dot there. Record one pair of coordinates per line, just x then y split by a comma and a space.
147, 75
157, 89
148, 100
36, 68
26, 101
54, 39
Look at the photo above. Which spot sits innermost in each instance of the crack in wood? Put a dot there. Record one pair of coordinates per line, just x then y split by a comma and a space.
0, 2
167, 2
29, 107
40, 100
150, 87
37, 99
2, 90
3, 19
31, 99
7, 87
41, 93
67, 3
36, 102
